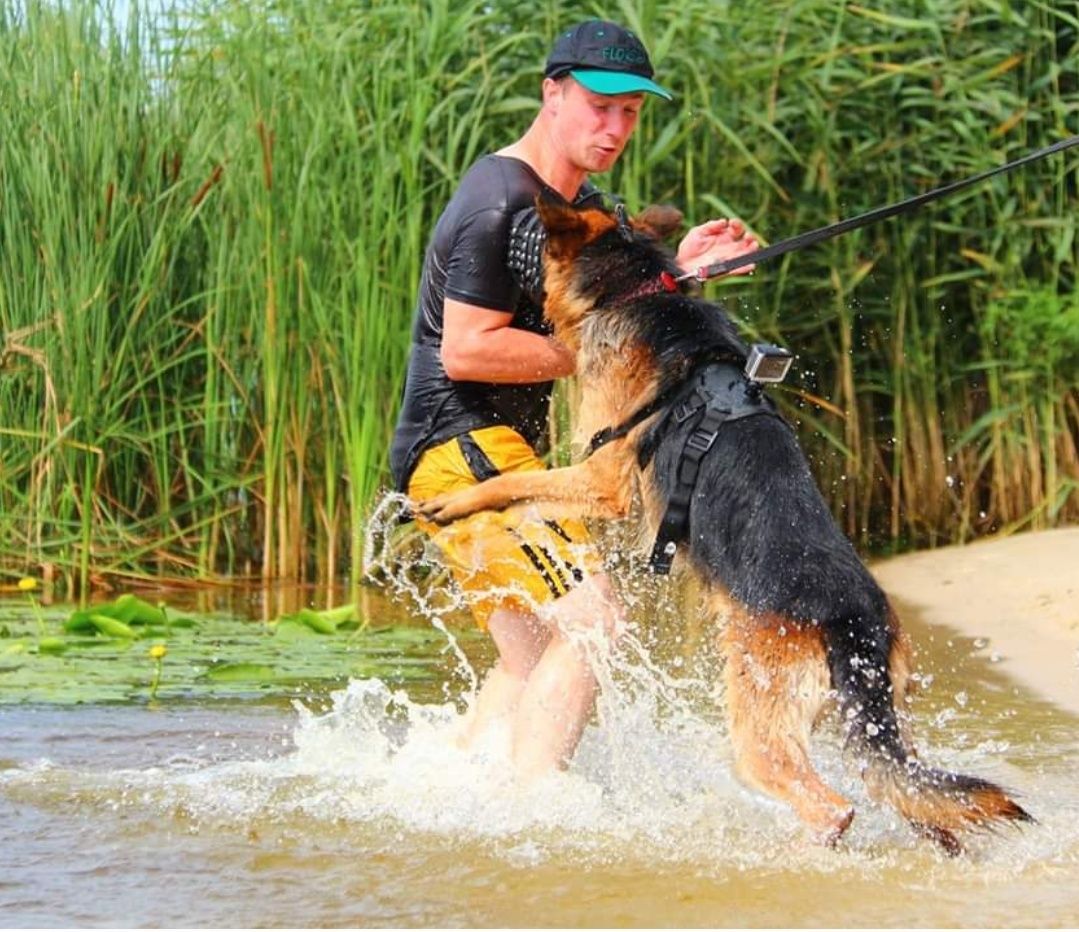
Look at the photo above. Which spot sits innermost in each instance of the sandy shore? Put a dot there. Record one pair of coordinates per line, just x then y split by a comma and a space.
1020, 593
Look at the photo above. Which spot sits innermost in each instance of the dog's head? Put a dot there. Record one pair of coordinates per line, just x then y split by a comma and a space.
594, 257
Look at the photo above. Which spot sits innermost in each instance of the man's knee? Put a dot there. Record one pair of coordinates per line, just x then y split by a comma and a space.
591, 609
520, 639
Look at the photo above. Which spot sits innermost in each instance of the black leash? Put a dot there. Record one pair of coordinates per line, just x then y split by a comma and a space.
881, 213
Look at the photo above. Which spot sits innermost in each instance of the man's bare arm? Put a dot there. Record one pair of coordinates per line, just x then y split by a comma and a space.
479, 345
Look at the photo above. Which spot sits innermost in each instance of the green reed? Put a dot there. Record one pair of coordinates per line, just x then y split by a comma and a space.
850, 107
212, 224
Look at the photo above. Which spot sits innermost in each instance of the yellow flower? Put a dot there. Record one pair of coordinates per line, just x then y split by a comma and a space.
27, 584
158, 651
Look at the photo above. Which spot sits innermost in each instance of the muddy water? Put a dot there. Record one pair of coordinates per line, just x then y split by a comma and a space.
357, 809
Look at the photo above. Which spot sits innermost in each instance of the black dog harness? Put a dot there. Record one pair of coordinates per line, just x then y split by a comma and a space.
714, 394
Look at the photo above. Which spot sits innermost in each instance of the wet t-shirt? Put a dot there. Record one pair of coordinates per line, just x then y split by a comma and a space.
466, 261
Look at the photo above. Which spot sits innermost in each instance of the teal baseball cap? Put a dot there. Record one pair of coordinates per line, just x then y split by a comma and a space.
605, 58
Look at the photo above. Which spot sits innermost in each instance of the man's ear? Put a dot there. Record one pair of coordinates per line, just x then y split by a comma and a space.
659, 220
551, 94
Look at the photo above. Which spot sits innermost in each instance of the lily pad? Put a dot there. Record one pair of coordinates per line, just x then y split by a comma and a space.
102, 654
112, 628
240, 673
51, 645
289, 630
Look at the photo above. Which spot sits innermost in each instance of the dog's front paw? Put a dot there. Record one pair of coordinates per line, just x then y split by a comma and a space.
443, 509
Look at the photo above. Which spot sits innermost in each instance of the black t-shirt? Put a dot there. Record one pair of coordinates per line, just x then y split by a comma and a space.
466, 261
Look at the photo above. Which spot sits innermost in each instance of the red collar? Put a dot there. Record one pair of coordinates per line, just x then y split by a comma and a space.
665, 281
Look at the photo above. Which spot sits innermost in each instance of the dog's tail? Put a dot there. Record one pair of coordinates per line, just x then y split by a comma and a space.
938, 804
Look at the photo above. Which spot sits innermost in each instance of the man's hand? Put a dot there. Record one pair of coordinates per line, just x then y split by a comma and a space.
715, 241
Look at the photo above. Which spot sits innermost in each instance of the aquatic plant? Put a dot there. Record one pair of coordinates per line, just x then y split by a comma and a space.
303, 654
157, 655
28, 584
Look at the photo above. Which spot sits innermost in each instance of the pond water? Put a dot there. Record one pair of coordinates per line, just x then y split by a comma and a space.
343, 800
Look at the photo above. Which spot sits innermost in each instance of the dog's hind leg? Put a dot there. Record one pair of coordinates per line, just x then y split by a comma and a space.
777, 682
900, 675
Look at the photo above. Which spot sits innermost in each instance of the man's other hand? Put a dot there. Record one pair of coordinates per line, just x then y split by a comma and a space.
716, 241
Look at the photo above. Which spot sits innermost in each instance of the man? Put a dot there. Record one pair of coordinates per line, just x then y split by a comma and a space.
479, 383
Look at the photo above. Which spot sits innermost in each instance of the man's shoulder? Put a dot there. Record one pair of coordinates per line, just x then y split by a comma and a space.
497, 182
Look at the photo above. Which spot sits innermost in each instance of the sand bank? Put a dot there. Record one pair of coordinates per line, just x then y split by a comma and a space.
1019, 593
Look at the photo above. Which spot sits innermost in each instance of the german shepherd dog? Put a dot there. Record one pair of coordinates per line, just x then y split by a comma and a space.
803, 621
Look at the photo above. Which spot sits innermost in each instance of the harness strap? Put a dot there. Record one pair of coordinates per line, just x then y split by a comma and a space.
603, 437
735, 399
675, 523
662, 400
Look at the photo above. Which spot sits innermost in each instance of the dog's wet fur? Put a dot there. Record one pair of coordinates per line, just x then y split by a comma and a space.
801, 620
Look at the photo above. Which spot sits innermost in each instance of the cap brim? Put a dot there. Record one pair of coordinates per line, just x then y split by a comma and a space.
618, 82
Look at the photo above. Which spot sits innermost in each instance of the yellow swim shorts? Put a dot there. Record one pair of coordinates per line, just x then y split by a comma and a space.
500, 558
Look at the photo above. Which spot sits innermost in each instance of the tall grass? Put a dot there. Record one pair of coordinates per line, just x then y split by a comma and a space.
212, 224
821, 109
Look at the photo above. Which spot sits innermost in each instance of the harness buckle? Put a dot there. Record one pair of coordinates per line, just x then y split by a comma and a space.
688, 408
701, 440
662, 557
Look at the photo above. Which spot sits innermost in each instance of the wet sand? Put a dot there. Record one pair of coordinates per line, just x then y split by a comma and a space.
1019, 594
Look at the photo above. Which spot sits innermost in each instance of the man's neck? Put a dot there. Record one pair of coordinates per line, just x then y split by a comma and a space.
539, 152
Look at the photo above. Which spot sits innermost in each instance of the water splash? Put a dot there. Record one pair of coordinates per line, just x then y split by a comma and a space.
652, 781
655, 761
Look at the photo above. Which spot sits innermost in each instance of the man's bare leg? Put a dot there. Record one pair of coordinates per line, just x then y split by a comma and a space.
520, 639
558, 694
543, 682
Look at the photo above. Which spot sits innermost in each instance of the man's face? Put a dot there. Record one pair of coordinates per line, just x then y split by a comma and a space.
593, 129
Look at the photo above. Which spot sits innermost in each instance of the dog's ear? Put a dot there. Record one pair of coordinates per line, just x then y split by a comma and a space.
659, 220
568, 227
558, 217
